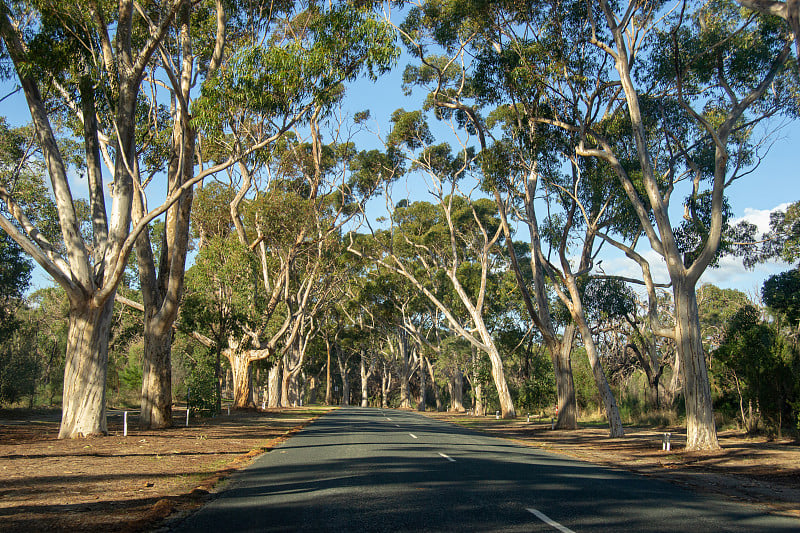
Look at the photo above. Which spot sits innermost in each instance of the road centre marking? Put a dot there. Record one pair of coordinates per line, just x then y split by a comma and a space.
447, 457
413, 436
547, 520
389, 419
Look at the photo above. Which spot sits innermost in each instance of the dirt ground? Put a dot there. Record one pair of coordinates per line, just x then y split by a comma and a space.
133, 483
119, 483
756, 470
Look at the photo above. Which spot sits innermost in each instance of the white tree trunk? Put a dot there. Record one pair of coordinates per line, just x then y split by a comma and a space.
84, 397
422, 405
364, 382
701, 429
274, 385
156, 401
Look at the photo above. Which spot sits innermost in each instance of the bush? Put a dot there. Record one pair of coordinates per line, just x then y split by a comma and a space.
200, 382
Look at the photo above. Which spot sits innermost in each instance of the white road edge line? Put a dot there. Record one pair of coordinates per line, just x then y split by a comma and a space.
547, 520
447, 457
414, 436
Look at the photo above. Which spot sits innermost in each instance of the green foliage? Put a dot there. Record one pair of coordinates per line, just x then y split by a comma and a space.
716, 308
537, 391
781, 294
304, 65
754, 368
200, 382
19, 367
783, 239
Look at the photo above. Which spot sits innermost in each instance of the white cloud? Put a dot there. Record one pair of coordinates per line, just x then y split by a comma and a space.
760, 217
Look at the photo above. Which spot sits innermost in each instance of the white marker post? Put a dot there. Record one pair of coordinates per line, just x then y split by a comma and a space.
125, 424
665, 444
497, 415
187, 416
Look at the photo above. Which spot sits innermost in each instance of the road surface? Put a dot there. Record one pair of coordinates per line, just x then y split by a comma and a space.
384, 470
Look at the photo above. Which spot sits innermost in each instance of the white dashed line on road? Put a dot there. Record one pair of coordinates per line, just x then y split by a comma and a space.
413, 436
549, 521
447, 457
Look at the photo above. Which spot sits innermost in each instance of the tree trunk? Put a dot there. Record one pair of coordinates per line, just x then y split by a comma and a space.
422, 405
405, 376
274, 385
343, 370
156, 401
609, 402
286, 400
457, 391
328, 387
84, 397
345, 390
386, 383
437, 396
480, 408
242, 379
311, 393
364, 380
503, 394
701, 430
565, 387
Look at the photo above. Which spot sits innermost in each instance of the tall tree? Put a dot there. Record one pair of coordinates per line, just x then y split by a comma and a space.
90, 269
184, 58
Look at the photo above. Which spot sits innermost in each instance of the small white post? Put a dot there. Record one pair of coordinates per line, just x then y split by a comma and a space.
497, 415
553, 423
187, 416
125, 424
529, 418
263, 404
229, 410
665, 442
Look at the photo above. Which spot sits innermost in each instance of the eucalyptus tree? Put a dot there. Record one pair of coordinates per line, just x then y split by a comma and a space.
723, 74
481, 92
454, 240
287, 74
67, 53
668, 100
186, 58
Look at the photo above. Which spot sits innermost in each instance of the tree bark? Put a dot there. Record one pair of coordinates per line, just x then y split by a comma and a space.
405, 372
156, 401
422, 405
457, 391
364, 382
328, 387
436, 394
84, 398
561, 355
701, 429
386, 383
274, 385
343, 370
242, 379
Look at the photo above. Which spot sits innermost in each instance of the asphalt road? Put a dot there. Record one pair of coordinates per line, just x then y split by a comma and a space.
384, 470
